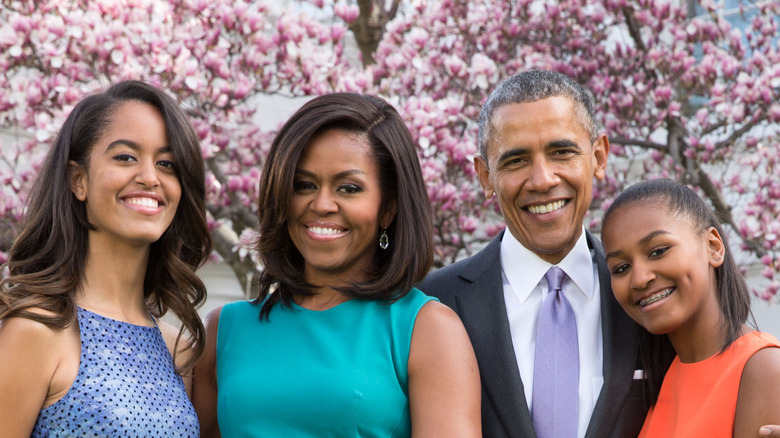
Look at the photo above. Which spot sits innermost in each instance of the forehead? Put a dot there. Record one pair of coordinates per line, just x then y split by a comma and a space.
337, 148
643, 216
136, 121
538, 123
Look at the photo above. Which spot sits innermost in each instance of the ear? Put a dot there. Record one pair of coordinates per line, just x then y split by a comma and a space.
388, 214
483, 172
715, 247
78, 180
600, 153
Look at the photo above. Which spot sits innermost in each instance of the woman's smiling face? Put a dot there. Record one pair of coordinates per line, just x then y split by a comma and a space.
336, 210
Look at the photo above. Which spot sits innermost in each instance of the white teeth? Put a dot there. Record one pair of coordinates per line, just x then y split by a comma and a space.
547, 208
325, 231
143, 202
653, 298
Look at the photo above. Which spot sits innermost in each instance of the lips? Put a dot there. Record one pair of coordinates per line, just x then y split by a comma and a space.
546, 208
655, 297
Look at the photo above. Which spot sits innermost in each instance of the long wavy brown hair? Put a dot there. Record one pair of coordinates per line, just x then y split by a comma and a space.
47, 260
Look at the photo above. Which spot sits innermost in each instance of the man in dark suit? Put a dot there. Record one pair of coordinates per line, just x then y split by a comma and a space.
539, 153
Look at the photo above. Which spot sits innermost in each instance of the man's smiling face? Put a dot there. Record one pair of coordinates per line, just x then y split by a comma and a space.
541, 164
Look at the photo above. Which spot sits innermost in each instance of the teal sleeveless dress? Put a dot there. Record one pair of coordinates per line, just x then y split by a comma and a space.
340, 372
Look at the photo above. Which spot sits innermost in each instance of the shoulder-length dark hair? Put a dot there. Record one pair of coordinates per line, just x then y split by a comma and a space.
46, 261
733, 293
410, 255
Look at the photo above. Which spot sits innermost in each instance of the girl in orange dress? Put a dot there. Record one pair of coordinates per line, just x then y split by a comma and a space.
674, 274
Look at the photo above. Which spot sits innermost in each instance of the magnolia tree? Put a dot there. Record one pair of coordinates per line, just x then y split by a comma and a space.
693, 99
216, 57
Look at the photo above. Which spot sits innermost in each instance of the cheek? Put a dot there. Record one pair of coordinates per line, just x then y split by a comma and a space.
620, 290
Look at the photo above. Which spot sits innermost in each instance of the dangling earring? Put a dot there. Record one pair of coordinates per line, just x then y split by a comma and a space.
384, 241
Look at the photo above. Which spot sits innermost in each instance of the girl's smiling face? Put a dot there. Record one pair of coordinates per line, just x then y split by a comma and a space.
663, 267
130, 185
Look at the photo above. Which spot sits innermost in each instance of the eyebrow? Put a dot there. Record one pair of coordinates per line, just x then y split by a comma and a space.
337, 176
553, 145
642, 241
132, 145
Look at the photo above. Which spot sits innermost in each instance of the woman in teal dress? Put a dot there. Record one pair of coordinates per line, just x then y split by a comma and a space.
339, 343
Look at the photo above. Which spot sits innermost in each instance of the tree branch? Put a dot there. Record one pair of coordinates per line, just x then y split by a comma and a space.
723, 211
740, 132
641, 143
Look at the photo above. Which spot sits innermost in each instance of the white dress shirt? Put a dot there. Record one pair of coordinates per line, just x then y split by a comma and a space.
524, 289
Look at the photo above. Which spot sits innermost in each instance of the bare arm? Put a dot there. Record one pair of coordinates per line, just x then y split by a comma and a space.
204, 394
170, 333
444, 387
758, 402
29, 358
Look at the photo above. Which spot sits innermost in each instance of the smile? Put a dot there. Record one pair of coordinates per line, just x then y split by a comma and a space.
546, 208
656, 297
143, 202
323, 231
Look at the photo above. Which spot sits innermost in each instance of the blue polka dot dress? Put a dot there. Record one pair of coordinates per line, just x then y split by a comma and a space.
126, 386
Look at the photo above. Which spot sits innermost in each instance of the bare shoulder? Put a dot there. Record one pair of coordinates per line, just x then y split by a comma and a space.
212, 319
762, 367
437, 317
757, 406
37, 366
439, 333
29, 331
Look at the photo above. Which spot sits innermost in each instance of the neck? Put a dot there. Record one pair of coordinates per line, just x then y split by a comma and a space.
113, 283
702, 335
323, 299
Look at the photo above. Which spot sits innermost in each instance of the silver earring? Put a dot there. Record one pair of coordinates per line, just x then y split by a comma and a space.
384, 241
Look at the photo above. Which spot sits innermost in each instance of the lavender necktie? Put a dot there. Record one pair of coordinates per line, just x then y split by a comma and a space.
556, 364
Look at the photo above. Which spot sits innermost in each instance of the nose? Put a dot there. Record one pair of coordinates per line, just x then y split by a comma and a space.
147, 174
323, 202
641, 276
543, 176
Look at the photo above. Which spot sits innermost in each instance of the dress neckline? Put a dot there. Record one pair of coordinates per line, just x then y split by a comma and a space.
154, 320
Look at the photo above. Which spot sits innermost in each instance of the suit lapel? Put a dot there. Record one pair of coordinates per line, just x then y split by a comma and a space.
483, 312
620, 352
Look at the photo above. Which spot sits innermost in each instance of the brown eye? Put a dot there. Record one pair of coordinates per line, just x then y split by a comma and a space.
299, 186
350, 189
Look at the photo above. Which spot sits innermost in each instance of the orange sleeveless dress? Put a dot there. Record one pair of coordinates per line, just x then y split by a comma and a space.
700, 399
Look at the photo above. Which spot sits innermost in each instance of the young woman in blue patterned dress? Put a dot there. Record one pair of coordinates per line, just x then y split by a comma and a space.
114, 230
344, 346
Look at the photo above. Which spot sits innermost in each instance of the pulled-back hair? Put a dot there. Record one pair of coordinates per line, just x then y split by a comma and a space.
47, 260
532, 86
733, 293
394, 271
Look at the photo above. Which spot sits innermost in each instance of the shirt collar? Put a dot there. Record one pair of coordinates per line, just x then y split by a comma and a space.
529, 269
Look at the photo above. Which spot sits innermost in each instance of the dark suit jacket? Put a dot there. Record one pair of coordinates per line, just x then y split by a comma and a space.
474, 289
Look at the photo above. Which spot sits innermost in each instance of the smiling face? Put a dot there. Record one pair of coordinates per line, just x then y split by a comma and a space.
663, 269
336, 209
130, 186
541, 164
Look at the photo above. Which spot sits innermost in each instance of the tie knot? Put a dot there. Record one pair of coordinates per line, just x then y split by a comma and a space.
555, 277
